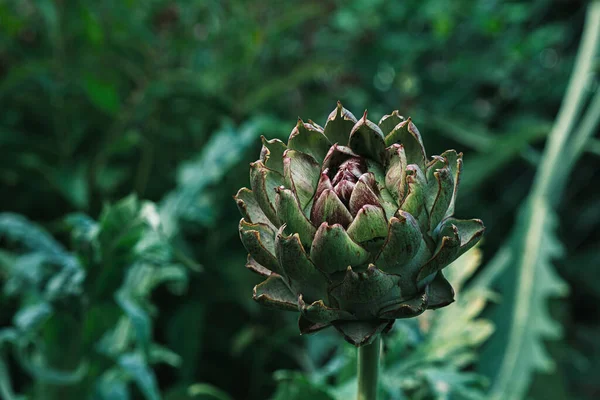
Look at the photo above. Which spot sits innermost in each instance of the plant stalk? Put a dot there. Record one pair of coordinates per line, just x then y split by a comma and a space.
551, 172
368, 370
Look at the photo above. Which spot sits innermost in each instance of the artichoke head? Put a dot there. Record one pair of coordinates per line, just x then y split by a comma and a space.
351, 224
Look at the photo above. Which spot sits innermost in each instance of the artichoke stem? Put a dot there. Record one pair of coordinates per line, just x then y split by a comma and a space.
368, 370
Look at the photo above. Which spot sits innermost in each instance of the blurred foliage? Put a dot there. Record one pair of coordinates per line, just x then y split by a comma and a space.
108, 296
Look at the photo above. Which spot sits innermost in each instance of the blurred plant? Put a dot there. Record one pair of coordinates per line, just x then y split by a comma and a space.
131, 243
62, 298
43, 277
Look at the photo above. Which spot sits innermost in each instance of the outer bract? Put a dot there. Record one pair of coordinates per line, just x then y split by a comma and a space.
351, 224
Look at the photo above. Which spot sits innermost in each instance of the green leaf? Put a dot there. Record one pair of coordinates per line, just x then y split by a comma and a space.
446, 344
439, 292
259, 241
271, 154
161, 354
34, 362
414, 202
405, 309
41, 249
455, 384
249, 207
120, 227
339, 124
141, 373
369, 224
274, 292
445, 253
525, 271
366, 139
362, 332
294, 386
407, 134
456, 331
395, 177
444, 190
387, 123
112, 385
190, 200
140, 319
19, 229
103, 94
204, 390
365, 293
118, 339
264, 181
308, 139
301, 173
290, 213
319, 313
303, 275
333, 250
31, 318
401, 245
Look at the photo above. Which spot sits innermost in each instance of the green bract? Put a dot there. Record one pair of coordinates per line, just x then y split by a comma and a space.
352, 225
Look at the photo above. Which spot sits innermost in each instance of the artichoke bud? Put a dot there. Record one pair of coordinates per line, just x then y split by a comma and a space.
351, 225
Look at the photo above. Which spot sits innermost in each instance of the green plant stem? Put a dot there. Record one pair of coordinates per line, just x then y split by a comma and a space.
584, 132
552, 173
368, 370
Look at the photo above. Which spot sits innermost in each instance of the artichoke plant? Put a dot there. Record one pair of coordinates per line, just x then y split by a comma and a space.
352, 224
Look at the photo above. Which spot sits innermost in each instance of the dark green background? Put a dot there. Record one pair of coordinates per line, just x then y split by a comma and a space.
167, 100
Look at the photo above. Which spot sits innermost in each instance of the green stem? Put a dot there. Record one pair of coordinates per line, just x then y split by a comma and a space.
583, 133
551, 172
368, 370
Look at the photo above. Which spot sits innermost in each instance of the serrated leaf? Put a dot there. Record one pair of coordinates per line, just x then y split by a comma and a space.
524, 266
528, 281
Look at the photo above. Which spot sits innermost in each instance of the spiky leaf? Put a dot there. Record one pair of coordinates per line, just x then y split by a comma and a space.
528, 281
